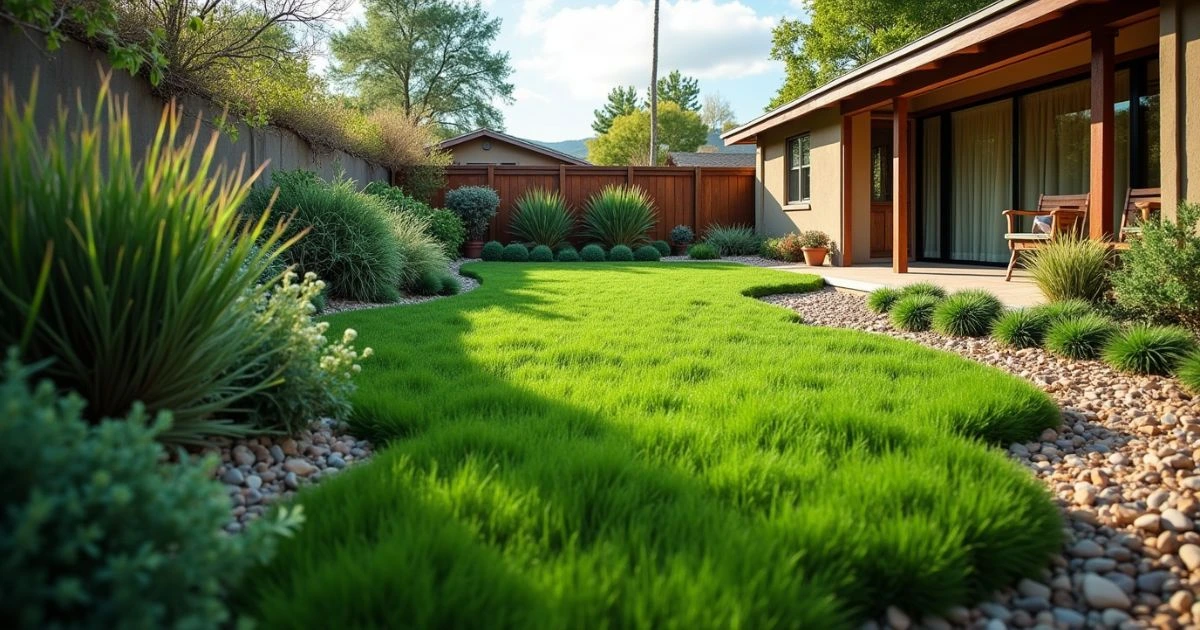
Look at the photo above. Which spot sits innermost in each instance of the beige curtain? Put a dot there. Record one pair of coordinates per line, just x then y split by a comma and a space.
931, 192
982, 181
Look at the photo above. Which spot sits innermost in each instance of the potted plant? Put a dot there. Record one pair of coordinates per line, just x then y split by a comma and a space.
475, 206
815, 244
681, 237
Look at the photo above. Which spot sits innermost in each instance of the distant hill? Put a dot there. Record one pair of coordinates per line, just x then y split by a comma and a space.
578, 149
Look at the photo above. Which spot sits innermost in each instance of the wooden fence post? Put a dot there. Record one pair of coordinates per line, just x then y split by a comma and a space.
696, 200
629, 176
562, 179
491, 179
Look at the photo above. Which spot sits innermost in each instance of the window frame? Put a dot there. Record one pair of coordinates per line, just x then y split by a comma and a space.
804, 170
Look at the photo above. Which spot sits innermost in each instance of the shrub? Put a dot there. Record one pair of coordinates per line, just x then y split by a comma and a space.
1144, 349
770, 249
568, 254
1189, 373
130, 274
430, 282
734, 240
541, 217
492, 250
423, 255
814, 238
1055, 312
914, 313
619, 215
450, 285
475, 206
923, 288
350, 243
98, 531
647, 253
620, 253
1081, 337
663, 247
968, 313
1071, 269
541, 253
682, 235
703, 251
515, 252
592, 253
881, 300
443, 224
1159, 277
1022, 328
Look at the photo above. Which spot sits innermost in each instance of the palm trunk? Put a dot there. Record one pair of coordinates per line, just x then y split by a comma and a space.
654, 94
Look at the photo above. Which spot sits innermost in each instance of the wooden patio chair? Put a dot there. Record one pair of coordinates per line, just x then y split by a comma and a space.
1140, 205
1066, 215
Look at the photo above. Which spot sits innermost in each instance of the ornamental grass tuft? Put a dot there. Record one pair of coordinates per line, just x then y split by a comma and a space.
541, 217
1073, 268
1055, 312
968, 313
881, 300
1189, 373
703, 251
914, 313
923, 288
1080, 337
1022, 328
733, 240
619, 215
1145, 349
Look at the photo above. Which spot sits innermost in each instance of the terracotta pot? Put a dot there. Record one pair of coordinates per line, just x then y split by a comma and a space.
815, 256
679, 250
473, 249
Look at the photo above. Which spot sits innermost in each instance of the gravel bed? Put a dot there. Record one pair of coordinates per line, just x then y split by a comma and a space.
466, 283
262, 470
1122, 467
754, 261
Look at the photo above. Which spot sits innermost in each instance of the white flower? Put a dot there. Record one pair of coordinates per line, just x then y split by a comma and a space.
349, 336
367, 352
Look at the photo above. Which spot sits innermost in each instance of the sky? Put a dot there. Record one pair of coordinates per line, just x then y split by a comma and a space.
567, 54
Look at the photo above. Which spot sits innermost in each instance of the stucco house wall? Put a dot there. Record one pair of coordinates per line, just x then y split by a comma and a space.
472, 152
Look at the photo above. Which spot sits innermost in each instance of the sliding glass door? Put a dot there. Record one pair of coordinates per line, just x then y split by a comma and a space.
980, 181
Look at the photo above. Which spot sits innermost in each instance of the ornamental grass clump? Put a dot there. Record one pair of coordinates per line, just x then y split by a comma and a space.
541, 217
647, 253
515, 252
541, 253
1145, 349
1021, 328
1189, 373
569, 254
592, 253
620, 253
882, 299
450, 285
703, 251
423, 254
134, 277
1081, 337
1071, 268
1055, 312
492, 250
619, 215
923, 288
443, 224
914, 313
968, 313
733, 240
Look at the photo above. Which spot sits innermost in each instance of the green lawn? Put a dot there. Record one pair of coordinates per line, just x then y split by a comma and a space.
643, 445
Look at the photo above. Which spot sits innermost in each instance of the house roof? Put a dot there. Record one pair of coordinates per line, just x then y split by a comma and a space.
1008, 29
683, 158
503, 137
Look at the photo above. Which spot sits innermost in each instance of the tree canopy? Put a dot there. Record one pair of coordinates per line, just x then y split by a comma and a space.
621, 101
717, 113
680, 89
627, 142
844, 34
432, 59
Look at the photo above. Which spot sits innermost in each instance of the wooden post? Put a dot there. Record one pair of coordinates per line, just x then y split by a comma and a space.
629, 176
562, 179
900, 185
847, 191
491, 182
1103, 161
696, 200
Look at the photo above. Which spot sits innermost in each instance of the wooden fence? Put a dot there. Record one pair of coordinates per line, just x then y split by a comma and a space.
697, 197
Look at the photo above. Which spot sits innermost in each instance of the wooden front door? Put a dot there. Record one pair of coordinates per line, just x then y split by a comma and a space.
881, 189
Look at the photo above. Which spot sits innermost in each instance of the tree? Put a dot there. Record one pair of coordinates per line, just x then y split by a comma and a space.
628, 141
680, 89
717, 112
652, 149
432, 59
844, 34
621, 101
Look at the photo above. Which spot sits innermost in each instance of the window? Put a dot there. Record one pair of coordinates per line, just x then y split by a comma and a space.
798, 188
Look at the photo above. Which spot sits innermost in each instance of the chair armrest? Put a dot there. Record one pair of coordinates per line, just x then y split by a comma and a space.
1067, 211
1024, 213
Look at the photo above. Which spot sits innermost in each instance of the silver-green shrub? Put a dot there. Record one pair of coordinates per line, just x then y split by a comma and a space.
1159, 277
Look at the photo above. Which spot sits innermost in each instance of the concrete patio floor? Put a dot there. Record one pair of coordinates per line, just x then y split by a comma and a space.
868, 277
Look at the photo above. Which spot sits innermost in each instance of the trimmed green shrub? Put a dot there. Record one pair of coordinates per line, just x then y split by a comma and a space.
568, 254
1159, 276
443, 224
619, 215
350, 243
1189, 373
703, 251
1067, 309
541, 253
129, 273
923, 288
475, 206
968, 313
1144, 349
682, 235
663, 247
881, 300
620, 253
592, 253
647, 253
733, 240
914, 313
450, 285
515, 252
1080, 337
492, 250
100, 531
429, 283
540, 217
423, 254
1073, 268
1022, 328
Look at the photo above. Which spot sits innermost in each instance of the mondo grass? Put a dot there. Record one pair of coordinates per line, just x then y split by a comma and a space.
1081, 337
923, 288
968, 313
882, 299
914, 313
1189, 372
1055, 312
559, 455
1021, 328
1144, 349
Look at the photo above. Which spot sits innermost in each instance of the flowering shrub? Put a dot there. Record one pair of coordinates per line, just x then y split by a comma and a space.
787, 248
315, 375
